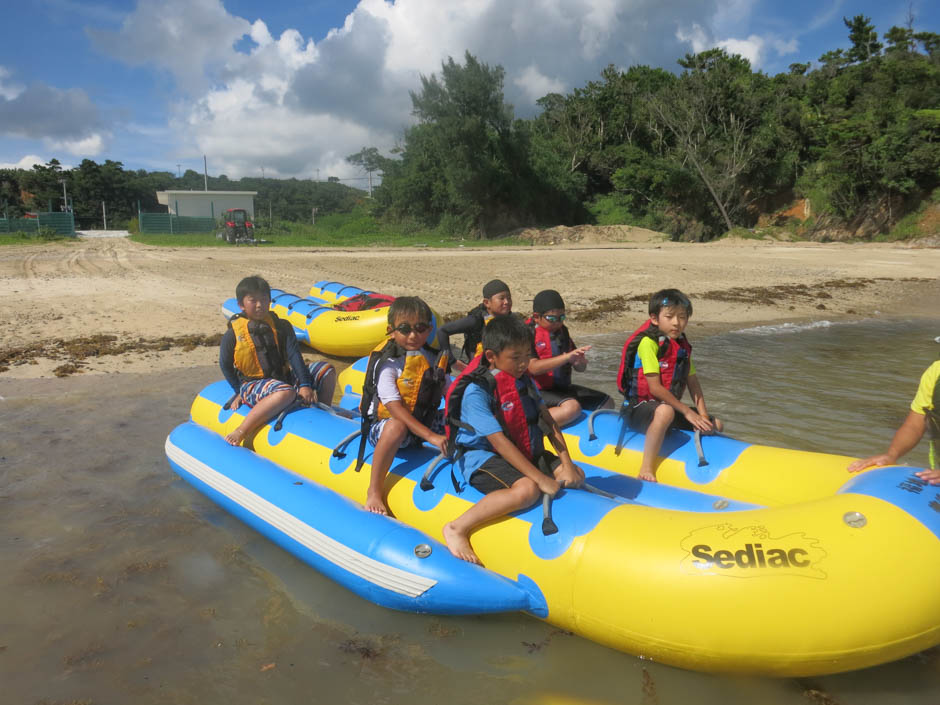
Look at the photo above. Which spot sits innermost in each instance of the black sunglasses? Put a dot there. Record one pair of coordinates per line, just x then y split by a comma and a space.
406, 328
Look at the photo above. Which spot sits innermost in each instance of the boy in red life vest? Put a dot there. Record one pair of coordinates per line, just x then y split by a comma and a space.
493, 416
401, 397
554, 356
655, 369
260, 358
497, 301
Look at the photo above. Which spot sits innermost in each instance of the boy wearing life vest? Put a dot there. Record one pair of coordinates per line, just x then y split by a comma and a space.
260, 358
401, 396
922, 419
497, 301
655, 370
494, 412
554, 356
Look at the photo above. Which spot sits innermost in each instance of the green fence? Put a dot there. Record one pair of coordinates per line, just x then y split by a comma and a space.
61, 223
152, 223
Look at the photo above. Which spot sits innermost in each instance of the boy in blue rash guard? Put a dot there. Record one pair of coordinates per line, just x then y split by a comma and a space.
493, 413
261, 360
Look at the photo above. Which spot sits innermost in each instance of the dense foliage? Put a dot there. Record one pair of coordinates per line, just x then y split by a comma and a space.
695, 154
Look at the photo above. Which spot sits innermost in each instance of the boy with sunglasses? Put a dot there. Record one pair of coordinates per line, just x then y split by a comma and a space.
401, 396
554, 356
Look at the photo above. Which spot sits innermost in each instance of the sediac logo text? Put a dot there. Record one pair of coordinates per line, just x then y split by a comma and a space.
750, 552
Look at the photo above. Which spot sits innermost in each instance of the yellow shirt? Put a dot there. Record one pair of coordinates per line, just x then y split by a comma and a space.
646, 353
928, 381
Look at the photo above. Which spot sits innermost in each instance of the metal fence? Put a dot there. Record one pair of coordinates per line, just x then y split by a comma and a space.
151, 223
61, 223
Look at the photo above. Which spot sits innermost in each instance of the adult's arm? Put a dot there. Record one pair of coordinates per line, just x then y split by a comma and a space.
905, 438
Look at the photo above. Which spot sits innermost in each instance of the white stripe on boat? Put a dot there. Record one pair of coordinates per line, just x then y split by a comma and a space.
369, 569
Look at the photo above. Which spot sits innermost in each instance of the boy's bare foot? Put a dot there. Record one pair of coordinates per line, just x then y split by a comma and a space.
459, 544
375, 504
236, 437
648, 476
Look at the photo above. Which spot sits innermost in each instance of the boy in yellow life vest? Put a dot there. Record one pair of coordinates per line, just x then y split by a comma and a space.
261, 360
405, 381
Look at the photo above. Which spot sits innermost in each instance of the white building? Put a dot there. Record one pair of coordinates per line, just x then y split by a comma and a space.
206, 204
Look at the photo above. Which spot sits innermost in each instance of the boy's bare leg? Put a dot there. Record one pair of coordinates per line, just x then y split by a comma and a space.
269, 407
523, 493
566, 412
662, 417
327, 388
393, 433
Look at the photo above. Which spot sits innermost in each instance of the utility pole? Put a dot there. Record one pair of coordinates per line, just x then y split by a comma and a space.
313, 215
65, 197
318, 175
205, 172
104, 215
178, 176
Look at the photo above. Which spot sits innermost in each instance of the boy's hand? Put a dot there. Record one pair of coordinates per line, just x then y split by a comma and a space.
569, 475
236, 402
308, 395
699, 422
438, 441
577, 356
548, 485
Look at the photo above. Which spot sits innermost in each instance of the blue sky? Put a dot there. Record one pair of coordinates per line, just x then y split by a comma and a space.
294, 87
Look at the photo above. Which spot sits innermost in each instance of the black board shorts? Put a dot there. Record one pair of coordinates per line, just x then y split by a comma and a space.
640, 416
498, 474
589, 399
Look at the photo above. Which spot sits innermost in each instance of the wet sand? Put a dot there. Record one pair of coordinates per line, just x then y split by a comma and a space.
155, 301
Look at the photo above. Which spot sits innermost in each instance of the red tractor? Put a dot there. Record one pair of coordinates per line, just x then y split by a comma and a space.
238, 227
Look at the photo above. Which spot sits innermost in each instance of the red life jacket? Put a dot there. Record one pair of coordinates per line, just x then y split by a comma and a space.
547, 347
517, 413
361, 302
674, 357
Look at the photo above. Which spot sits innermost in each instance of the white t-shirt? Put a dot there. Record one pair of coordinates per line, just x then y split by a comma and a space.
386, 385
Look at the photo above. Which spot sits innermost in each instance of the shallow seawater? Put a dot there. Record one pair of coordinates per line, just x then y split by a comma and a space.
123, 584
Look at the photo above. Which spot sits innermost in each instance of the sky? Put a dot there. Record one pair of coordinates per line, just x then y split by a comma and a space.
291, 88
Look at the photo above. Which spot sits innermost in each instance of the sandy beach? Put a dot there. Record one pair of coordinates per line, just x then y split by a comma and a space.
161, 305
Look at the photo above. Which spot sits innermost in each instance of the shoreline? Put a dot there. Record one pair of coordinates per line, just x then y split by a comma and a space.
150, 298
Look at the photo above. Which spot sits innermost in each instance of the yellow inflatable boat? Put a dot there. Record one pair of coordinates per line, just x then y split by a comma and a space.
744, 558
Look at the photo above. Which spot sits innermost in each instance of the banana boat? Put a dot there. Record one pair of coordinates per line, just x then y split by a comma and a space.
742, 559
335, 319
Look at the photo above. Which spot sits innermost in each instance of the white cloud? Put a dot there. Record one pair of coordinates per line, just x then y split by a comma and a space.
24, 163
90, 146
40, 111
185, 37
293, 105
535, 84
754, 48
751, 48
8, 91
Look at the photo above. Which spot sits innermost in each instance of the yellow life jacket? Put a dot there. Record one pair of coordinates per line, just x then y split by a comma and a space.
421, 384
259, 352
